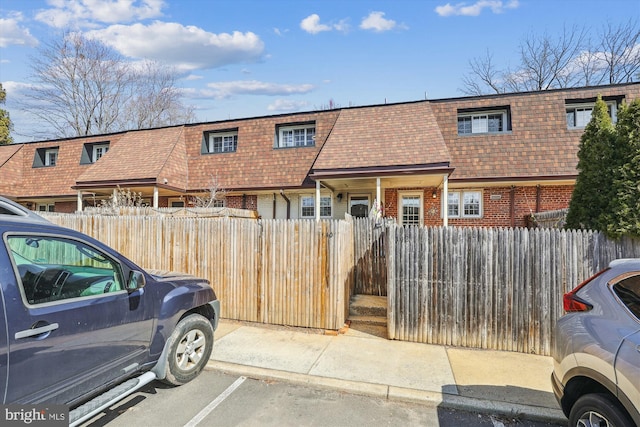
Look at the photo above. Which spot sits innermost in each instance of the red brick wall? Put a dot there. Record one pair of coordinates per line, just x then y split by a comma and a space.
65, 207
495, 213
236, 202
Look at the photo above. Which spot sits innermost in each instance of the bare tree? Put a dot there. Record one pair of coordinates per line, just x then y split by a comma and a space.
82, 87
483, 76
568, 60
156, 99
620, 47
207, 200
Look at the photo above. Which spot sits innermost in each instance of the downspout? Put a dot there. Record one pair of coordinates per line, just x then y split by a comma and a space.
274, 205
538, 197
512, 196
288, 204
244, 201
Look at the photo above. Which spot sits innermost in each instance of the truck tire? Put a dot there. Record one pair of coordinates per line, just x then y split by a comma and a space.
190, 346
598, 409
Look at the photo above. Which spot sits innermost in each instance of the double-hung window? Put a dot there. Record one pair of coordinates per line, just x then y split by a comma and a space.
296, 136
220, 142
45, 157
307, 207
464, 204
410, 209
51, 157
99, 151
579, 114
483, 121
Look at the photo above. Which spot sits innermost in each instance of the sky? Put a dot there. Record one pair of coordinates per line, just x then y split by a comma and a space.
249, 58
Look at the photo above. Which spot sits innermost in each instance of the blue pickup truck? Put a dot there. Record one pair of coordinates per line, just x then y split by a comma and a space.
83, 326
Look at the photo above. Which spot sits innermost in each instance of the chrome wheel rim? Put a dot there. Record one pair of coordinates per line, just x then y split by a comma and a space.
190, 350
593, 419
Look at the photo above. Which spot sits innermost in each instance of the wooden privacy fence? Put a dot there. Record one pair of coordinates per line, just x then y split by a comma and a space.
488, 288
295, 273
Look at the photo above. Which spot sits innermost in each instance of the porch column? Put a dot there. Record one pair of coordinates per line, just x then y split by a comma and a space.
445, 197
79, 205
155, 197
318, 200
378, 196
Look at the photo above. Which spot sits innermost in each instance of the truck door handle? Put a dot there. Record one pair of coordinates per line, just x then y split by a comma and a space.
36, 331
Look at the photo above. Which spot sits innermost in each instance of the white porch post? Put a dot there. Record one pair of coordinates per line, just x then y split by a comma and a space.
317, 200
79, 205
378, 192
445, 197
155, 197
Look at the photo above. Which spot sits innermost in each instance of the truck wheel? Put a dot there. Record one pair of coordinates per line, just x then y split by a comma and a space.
190, 346
596, 409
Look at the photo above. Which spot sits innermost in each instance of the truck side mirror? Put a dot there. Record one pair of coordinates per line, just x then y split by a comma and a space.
136, 281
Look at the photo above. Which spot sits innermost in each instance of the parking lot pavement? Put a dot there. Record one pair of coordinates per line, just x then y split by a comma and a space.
469, 379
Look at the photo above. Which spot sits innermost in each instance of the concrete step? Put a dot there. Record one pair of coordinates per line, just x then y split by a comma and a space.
368, 305
368, 320
363, 328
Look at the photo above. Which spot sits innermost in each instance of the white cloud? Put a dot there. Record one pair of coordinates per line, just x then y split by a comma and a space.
11, 33
255, 87
287, 105
89, 13
463, 9
311, 24
185, 47
376, 21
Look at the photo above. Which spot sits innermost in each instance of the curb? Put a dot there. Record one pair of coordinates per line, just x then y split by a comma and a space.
398, 394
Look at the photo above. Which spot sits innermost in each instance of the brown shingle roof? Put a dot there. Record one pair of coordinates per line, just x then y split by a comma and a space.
539, 145
384, 136
140, 155
256, 164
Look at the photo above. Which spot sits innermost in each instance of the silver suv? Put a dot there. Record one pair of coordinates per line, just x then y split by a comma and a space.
596, 376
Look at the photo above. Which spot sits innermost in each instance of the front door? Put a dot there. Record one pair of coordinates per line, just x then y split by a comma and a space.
72, 325
359, 206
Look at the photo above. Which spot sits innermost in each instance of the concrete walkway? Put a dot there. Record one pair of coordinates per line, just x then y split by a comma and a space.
498, 382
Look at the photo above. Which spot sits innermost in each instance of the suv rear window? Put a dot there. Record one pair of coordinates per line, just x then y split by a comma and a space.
628, 290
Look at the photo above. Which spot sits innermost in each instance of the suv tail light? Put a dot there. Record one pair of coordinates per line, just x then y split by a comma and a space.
571, 302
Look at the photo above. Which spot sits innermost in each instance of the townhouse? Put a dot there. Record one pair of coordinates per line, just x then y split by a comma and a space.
470, 161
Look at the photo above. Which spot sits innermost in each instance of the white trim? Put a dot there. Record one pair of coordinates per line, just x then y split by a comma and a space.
461, 195
223, 135
103, 147
306, 127
412, 194
589, 105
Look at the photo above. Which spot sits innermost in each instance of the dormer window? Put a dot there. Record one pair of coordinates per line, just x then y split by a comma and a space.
50, 157
303, 135
220, 141
492, 120
92, 152
46, 157
99, 151
579, 111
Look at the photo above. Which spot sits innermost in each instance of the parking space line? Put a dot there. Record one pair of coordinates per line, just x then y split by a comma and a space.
218, 400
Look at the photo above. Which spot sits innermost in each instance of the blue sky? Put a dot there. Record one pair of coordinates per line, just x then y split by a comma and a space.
246, 58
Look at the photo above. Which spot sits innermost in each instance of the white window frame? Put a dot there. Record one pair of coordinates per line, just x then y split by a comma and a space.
359, 197
461, 201
46, 207
578, 110
413, 195
176, 200
51, 157
480, 121
99, 151
228, 142
309, 202
287, 137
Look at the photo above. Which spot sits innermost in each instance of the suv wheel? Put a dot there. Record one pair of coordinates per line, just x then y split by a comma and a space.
190, 346
598, 410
